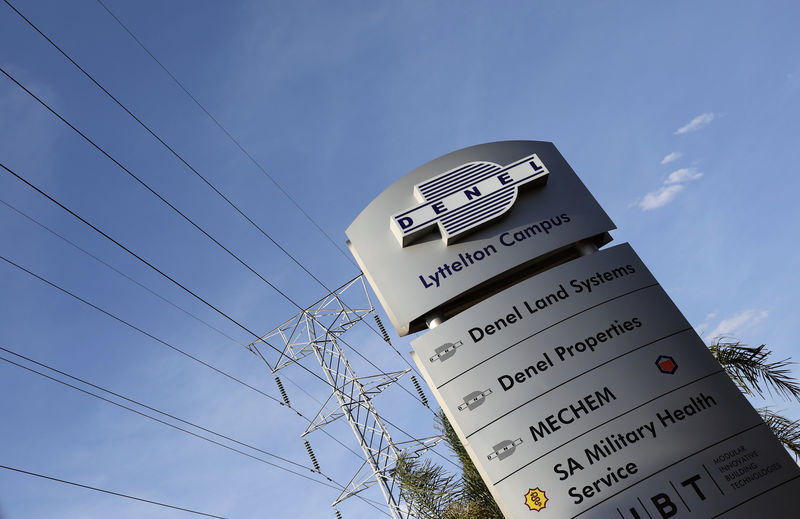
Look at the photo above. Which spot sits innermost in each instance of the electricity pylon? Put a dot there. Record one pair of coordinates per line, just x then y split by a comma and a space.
315, 331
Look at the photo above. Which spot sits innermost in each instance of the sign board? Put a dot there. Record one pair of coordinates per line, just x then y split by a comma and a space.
583, 392
469, 223
575, 384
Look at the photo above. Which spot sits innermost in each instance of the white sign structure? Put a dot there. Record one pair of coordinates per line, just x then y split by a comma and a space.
575, 384
583, 392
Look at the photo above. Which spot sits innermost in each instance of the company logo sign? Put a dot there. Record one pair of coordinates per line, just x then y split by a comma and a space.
462, 199
536, 499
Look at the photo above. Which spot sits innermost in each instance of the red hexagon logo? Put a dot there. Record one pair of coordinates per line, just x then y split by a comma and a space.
666, 364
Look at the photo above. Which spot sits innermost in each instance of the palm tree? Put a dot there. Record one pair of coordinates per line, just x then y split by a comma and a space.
438, 494
757, 375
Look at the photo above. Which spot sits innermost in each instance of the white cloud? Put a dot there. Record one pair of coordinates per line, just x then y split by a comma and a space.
738, 322
682, 175
661, 197
695, 124
702, 327
674, 184
675, 155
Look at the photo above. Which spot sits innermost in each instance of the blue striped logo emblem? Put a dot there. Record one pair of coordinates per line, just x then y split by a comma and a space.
464, 198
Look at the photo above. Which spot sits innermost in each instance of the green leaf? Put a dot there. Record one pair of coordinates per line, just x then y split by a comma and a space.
786, 430
753, 371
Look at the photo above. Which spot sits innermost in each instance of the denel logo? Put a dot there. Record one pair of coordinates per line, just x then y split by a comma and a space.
465, 198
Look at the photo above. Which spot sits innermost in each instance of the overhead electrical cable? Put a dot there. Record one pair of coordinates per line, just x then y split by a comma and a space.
292, 408
140, 330
161, 341
336, 485
164, 422
131, 174
156, 294
141, 259
219, 125
166, 202
156, 269
127, 496
206, 181
111, 267
167, 146
143, 286
175, 209
150, 189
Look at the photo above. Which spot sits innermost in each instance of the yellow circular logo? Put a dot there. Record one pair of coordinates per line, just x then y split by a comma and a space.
536, 499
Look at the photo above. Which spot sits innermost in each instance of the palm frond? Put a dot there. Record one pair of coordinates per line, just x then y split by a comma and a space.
786, 430
432, 491
481, 501
754, 373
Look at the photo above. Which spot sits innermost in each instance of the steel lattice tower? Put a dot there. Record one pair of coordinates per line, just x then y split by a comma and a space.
315, 331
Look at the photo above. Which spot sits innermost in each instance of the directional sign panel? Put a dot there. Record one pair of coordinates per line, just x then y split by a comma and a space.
583, 392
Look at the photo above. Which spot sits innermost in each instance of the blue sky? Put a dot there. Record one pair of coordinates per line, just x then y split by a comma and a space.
680, 117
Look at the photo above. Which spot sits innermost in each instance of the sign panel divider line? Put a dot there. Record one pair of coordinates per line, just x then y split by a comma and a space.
545, 329
684, 330
675, 463
712, 479
679, 496
644, 508
755, 496
716, 372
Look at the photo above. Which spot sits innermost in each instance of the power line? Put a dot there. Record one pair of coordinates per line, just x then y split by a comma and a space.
149, 290
368, 501
51, 478
141, 259
167, 146
336, 486
78, 379
401, 386
206, 181
111, 267
161, 341
146, 333
155, 193
140, 330
179, 157
229, 135
150, 189
185, 311
131, 174
163, 422
167, 202
171, 279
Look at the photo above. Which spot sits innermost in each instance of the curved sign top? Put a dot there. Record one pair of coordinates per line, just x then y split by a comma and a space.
501, 209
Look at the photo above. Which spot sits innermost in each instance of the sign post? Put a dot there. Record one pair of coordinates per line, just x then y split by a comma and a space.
573, 381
